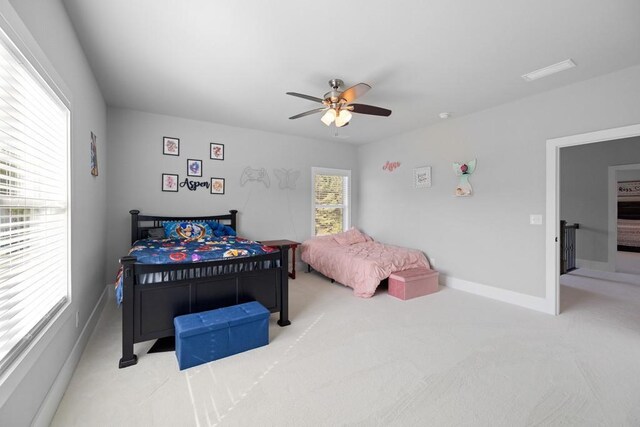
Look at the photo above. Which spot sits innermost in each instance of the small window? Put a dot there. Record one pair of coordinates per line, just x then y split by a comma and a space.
34, 241
331, 201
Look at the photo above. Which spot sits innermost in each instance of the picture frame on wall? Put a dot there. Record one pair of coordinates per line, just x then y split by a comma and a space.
422, 177
217, 186
216, 151
170, 146
94, 155
194, 167
170, 182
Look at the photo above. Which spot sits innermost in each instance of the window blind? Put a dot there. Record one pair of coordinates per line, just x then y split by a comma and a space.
331, 201
34, 146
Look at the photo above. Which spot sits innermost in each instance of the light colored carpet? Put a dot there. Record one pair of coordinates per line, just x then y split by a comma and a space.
628, 262
450, 358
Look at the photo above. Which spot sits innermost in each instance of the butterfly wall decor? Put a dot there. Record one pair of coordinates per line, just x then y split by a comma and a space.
287, 178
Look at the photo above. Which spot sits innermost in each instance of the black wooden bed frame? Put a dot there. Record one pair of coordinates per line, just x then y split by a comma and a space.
148, 309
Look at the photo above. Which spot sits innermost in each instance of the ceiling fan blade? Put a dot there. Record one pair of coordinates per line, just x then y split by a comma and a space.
308, 113
309, 97
369, 109
350, 94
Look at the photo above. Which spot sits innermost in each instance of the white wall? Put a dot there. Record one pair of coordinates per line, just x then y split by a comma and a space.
486, 238
584, 195
136, 164
630, 175
49, 34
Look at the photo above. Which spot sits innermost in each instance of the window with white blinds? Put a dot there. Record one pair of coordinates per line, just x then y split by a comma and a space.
34, 146
331, 198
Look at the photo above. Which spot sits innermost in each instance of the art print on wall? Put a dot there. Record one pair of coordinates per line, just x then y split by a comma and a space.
170, 182
217, 186
94, 155
628, 189
217, 151
422, 177
170, 146
194, 167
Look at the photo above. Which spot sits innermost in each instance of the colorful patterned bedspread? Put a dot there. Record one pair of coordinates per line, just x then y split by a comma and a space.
178, 251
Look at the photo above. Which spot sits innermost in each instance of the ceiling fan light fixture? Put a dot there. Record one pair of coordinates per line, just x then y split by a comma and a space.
329, 116
343, 118
337, 105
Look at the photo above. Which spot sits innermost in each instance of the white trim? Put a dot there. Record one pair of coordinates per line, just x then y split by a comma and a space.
499, 294
613, 213
553, 193
47, 410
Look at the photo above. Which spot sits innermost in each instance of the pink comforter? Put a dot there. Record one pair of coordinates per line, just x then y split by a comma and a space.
360, 266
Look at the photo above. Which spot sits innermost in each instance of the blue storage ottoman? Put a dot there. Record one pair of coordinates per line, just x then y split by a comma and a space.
211, 335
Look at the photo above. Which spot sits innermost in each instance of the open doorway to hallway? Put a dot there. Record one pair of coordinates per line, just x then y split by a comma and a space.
597, 192
553, 184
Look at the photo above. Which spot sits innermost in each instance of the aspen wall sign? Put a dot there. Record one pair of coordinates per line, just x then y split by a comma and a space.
171, 182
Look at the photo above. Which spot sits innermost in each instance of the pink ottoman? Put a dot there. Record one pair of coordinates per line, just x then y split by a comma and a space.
412, 283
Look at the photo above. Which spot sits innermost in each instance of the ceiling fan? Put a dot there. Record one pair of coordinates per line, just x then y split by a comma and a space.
338, 104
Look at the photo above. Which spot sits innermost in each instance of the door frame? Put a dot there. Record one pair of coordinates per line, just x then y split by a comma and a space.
553, 200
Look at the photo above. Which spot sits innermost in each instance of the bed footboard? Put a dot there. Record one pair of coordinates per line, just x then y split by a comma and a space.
128, 357
148, 309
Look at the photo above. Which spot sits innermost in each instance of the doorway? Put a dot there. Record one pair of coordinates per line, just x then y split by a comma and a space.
553, 201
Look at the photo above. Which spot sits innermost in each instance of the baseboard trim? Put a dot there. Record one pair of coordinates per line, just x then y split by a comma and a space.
47, 410
504, 295
593, 265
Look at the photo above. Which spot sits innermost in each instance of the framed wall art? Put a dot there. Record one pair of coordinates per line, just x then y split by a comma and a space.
217, 151
170, 182
217, 186
194, 167
170, 146
422, 177
94, 155
628, 189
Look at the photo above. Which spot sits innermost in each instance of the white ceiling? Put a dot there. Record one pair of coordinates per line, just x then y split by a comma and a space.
231, 62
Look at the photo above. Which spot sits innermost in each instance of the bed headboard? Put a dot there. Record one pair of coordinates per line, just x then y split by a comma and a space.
141, 224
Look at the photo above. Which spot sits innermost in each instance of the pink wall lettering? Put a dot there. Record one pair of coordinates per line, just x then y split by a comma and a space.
390, 166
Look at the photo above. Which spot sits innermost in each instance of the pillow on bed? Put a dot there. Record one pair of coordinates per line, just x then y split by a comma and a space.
220, 230
350, 237
186, 230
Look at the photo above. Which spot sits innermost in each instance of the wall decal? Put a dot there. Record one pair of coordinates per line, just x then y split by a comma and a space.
94, 155
391, 166
287, 178
216, 151
169, 182
170, 146
217, 185
194, 185
464, 170
422, 177
250, 174
194, 167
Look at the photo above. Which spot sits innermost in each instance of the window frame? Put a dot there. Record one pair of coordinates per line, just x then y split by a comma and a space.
22, 45
346, 205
